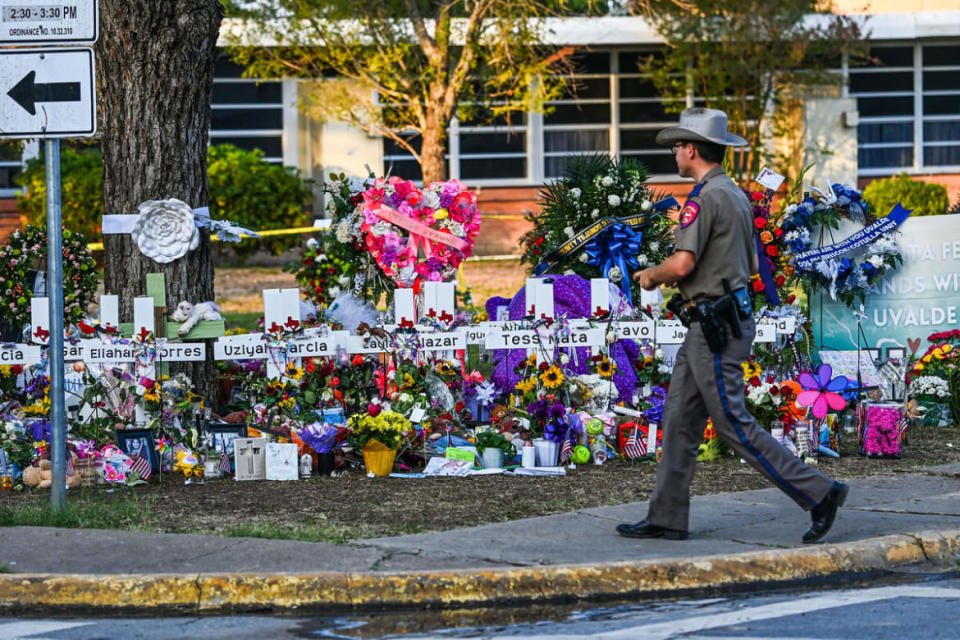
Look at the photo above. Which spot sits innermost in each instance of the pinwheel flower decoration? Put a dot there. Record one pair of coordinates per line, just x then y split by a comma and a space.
822, 392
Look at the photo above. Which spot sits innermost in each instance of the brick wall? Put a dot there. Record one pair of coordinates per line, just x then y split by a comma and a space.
9, 217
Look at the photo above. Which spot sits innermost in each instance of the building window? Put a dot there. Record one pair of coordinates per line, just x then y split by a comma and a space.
941, 105
246, 113
642, 113
398, 162
580, 122
909, 103
11, 163
491, 149
884, 90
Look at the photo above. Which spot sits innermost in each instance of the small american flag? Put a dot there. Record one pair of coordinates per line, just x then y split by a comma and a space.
566, 450
142, 466
634, 448
224, 461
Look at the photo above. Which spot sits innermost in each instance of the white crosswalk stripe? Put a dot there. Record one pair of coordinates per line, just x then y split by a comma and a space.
804, 604
37, 629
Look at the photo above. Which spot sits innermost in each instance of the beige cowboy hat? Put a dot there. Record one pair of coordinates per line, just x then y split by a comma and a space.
699, 124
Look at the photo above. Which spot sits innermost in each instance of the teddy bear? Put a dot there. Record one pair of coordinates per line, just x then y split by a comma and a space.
40, 475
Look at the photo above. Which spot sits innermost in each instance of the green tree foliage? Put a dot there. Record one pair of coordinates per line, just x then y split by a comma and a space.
924, 198
243, 189
81, 192
743, 56
256, 195
403, 68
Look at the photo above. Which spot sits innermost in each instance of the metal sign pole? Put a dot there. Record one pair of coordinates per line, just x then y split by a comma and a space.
58, 431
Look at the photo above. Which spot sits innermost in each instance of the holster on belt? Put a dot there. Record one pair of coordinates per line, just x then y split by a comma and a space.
716, 315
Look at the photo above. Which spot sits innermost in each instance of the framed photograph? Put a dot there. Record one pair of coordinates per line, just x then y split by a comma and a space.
897, 353
224, 433
139, 442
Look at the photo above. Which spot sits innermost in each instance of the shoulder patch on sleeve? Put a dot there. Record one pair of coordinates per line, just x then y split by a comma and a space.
690, 212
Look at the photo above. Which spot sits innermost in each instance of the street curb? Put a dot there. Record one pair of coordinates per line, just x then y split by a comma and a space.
472, 588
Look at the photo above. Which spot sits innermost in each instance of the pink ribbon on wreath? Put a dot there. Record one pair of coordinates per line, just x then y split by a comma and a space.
420, 234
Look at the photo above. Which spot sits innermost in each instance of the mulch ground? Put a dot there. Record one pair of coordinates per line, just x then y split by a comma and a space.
354, 506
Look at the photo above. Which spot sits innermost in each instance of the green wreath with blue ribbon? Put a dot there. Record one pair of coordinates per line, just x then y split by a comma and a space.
600, 220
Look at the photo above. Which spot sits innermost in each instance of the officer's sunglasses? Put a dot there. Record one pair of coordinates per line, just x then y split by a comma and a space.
677, 146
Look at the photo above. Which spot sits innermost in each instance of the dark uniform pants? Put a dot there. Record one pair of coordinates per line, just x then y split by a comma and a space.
708, 384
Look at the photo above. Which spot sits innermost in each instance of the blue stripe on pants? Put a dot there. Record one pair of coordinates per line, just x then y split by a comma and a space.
789, 488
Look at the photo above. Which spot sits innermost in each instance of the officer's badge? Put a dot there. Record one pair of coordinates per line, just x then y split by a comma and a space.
690, 212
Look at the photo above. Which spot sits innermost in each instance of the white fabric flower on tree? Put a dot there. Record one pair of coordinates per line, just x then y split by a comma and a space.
166, 230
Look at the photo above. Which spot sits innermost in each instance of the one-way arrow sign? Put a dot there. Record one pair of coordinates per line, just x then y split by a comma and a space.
28, 92
47, 93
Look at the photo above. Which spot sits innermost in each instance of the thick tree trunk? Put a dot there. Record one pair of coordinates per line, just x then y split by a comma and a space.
155, 63
432, 160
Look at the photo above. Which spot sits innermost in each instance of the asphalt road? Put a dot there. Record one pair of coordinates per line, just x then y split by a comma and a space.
927, 609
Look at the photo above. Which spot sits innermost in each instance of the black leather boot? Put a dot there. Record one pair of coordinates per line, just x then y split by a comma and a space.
643, 529
825, 513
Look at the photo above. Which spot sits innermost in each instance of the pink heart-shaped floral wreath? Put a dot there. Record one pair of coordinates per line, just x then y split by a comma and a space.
419, 234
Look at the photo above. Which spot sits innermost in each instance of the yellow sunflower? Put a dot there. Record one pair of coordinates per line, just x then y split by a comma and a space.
293, 372
751, 370
552, 377
526, 385
605, 368
444, 369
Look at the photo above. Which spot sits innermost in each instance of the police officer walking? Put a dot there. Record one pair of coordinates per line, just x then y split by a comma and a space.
714, 256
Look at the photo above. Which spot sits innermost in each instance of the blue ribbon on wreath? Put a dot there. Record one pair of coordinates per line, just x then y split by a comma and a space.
617, 246
766, 275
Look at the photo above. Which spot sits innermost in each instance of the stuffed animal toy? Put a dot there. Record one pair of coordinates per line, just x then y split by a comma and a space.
40, 475
189, 463
350, 311
190, 314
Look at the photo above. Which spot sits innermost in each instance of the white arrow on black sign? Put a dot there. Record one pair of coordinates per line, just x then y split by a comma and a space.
47, 93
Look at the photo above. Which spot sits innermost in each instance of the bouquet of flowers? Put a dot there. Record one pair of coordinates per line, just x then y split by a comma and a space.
772, 249
338, 260
771, 402
941, 360
847, 279
594, 188
929, 388
387, 427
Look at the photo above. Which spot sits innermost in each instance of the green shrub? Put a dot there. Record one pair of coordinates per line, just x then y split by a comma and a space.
243, 189
257, 195
924, 198
81, 191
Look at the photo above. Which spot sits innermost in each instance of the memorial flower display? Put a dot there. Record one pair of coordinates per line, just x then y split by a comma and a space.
359, 377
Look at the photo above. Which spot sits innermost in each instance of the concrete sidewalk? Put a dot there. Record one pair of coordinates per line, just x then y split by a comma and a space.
737, 540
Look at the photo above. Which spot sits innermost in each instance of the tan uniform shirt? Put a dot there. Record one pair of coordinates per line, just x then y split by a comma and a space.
716, 225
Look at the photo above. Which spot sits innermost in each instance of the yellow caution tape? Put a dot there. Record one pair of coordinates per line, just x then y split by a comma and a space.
98, 246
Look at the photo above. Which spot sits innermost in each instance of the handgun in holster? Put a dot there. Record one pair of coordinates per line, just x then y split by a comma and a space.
717, 314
